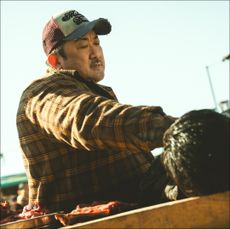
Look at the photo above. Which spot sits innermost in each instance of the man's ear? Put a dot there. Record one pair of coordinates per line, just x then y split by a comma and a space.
53, 60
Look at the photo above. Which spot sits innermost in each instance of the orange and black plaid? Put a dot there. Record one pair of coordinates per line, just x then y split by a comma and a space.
80, 144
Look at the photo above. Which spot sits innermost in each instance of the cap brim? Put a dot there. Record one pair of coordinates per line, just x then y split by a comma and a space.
101, 26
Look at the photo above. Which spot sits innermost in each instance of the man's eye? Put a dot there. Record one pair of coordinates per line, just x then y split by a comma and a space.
83, 46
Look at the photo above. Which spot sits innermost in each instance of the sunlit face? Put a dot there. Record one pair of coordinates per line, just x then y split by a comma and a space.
86, 56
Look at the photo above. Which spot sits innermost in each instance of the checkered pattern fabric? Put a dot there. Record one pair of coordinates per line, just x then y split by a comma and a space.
80, 144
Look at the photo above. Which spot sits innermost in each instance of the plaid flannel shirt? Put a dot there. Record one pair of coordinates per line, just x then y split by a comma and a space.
80, 144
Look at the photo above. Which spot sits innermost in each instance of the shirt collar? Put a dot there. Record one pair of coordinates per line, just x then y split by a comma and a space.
73, 73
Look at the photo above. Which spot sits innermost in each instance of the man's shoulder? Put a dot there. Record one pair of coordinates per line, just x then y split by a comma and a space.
53, 80
54, 83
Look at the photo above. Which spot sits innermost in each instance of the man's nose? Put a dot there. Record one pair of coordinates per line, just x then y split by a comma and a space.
94, 51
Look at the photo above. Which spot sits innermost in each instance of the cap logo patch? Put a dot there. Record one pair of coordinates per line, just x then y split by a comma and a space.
77, 17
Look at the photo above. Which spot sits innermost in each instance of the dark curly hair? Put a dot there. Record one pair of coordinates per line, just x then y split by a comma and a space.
196, 152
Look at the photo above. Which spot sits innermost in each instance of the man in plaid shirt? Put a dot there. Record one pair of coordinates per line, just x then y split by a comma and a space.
79, 143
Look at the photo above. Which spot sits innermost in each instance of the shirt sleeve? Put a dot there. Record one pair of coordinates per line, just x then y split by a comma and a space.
88, 121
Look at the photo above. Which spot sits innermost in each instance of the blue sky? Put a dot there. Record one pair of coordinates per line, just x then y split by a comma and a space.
156, 54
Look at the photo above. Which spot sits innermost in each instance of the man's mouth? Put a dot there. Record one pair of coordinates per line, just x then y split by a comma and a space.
96, 64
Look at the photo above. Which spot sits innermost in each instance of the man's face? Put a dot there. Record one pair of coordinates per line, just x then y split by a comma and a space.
86, 56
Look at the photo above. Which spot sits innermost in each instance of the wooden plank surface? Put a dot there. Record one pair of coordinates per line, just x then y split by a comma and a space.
211, 211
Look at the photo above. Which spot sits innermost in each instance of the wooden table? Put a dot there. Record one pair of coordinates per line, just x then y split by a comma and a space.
211, 211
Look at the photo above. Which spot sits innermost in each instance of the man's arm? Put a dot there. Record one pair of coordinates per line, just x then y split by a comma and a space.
85, 120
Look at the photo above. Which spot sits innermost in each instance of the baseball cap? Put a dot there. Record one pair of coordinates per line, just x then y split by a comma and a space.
70, 25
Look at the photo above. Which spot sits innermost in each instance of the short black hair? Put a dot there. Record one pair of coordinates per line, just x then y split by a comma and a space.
196, 152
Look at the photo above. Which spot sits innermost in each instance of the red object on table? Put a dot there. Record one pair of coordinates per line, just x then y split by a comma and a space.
94, 210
